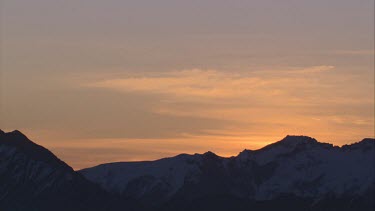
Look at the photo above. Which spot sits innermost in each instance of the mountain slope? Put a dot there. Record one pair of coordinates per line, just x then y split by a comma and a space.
296, 173
32, 178
297, 169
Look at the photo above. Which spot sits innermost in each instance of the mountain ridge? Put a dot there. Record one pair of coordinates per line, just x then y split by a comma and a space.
367, 140
297, 166
295, 173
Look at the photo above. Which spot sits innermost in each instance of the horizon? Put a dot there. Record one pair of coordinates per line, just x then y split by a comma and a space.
104, 81
77, 168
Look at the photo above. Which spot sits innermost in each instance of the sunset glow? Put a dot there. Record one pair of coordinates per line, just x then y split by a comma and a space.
95, 86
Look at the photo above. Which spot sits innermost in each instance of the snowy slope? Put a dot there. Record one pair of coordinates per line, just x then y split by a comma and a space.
297, 165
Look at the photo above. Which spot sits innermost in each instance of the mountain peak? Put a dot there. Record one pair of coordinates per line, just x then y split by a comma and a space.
368, 140
21, 143
366, 143
293, 139
209, 154
288, 143
19, 134
14, 138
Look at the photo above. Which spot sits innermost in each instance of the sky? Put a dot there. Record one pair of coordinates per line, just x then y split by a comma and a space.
104, 81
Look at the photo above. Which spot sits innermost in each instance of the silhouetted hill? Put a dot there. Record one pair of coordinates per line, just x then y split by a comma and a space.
32, 178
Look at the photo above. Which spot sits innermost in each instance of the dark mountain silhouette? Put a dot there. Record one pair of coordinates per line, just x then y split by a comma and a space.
32, 178
296, 173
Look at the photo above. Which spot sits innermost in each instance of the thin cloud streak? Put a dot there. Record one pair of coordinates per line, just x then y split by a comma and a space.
283, 99
208, 83
356, 52
193, 83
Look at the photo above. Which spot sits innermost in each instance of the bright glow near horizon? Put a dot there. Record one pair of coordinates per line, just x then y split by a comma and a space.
106, 81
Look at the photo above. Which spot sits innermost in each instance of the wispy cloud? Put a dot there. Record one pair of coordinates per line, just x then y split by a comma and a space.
314, 69
195, 82
258, 103
297, 71
356, 52
231, 96
208, 83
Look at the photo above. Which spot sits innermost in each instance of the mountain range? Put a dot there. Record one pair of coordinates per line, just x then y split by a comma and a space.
296, 173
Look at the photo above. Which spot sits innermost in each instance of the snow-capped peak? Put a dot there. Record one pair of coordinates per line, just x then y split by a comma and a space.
292, 165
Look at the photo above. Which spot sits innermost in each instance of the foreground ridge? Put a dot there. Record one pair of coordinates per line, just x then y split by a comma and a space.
33, 178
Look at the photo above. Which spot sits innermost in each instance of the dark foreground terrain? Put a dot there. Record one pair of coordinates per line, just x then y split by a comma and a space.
296, 173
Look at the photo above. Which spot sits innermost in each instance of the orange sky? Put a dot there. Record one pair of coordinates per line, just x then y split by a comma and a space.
135, 80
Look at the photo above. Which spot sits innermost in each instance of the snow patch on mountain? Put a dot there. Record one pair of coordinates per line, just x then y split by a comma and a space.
301, 166
116, 176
